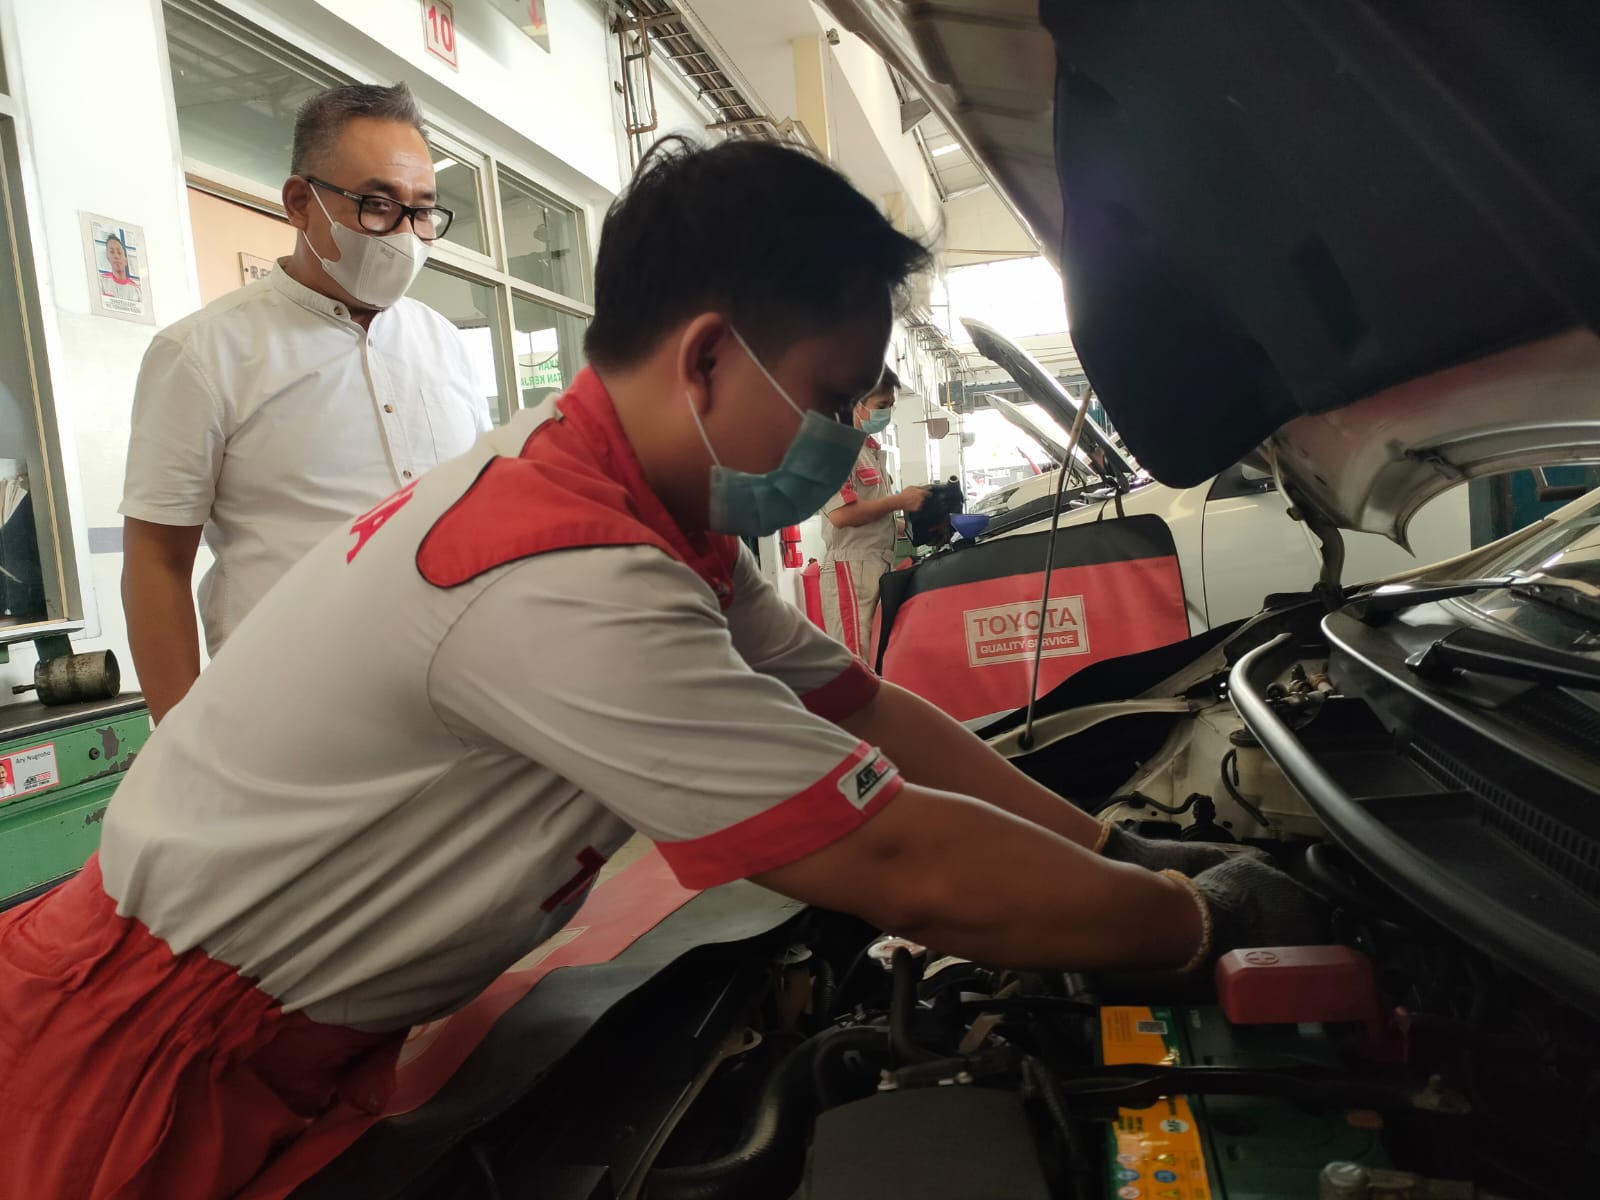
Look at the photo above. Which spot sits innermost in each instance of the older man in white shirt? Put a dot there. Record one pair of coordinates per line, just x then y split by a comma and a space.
275, 412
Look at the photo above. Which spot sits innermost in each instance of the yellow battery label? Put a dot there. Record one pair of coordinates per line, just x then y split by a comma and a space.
1156, 1152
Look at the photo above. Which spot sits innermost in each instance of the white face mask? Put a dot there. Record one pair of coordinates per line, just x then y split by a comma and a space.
375, 270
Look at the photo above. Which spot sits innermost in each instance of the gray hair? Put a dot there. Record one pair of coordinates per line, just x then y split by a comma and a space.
322, 118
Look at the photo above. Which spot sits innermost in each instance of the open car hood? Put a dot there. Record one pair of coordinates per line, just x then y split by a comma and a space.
1023, 421
1365, 235
1046, 391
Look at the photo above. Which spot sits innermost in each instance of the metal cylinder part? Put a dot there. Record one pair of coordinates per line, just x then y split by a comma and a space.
76, 678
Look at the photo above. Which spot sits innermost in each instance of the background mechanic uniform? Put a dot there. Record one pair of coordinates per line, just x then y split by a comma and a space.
397, 778
856, 557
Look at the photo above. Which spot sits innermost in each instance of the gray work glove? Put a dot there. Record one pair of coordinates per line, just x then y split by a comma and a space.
1250, 903
1188, 858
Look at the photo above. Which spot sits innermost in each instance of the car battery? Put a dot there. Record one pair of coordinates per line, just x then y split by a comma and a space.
1222, 1147
59, 766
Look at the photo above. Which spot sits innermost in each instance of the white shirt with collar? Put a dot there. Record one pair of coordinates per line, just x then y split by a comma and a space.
270, 416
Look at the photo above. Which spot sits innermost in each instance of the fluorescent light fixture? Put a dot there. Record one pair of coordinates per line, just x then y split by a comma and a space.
443, 163
951, 148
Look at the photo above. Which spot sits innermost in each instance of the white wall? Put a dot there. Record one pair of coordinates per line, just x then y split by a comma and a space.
857, 67
555, 105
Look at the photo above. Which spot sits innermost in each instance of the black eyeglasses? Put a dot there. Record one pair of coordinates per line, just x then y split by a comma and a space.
382, 214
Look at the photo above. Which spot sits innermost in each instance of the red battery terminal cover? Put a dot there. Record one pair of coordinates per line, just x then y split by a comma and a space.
1296, 985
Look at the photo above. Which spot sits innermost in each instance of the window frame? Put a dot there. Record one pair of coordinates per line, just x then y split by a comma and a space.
65, 564
441, 142
580, 226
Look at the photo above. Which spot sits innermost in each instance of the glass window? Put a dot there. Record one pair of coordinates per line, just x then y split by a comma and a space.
470, 307
542, 242
549, 348
459, 192
236, 101
31, 581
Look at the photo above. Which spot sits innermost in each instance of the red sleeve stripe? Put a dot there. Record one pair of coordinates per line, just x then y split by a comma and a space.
846, 694
848, 493
837, 804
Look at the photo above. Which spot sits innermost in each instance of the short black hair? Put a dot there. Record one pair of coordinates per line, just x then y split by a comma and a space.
322, 118
765, 233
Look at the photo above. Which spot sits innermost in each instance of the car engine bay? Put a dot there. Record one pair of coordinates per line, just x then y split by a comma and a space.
1401, 1060
1397, 1063
1422, 1052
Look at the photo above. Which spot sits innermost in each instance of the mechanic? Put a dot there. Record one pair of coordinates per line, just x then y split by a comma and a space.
859, 533
284, 408
410, 760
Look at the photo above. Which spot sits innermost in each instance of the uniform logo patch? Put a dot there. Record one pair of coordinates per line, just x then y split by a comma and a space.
369, 522
861, 785
869, 476
1010, 632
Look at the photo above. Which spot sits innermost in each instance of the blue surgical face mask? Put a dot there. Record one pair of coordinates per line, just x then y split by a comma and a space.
877, 421
816, 464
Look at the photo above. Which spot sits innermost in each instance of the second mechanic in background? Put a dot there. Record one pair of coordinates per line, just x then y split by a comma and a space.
858, 532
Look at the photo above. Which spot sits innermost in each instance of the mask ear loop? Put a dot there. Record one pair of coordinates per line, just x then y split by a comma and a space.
698, 424
766, 374
316, 195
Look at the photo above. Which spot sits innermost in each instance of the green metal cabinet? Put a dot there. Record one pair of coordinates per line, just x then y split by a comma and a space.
58, 768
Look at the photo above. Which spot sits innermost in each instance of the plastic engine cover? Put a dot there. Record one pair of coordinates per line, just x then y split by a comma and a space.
945, 1143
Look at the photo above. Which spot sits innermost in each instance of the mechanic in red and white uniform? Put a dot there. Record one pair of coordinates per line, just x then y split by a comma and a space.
858, 531
404, 768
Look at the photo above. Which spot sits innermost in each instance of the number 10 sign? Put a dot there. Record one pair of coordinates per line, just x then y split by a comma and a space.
439, 30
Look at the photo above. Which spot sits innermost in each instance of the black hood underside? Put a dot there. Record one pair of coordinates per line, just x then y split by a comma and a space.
1279, 207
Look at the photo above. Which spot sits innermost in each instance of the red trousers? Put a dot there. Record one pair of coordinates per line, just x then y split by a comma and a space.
128, 1072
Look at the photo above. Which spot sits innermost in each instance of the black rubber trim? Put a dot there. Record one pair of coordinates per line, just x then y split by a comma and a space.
1483, 902
536, 1034
1232, 484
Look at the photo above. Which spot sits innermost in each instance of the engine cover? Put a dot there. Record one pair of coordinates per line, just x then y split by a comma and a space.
943, 1143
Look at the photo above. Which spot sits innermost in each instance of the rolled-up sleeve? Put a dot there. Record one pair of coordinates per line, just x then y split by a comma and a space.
777, 639
614, 668
177, 440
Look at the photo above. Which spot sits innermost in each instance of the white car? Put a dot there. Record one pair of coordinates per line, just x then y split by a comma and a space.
1235, 539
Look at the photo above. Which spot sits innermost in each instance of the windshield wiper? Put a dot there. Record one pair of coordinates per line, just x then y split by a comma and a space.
1570, 594
1488, 653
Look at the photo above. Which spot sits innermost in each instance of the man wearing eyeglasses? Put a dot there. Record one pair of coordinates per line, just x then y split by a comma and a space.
280, 410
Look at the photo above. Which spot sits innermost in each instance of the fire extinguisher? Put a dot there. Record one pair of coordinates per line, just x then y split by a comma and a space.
789, 539
811, 579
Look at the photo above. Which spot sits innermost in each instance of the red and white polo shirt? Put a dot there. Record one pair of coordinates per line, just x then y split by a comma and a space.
403, 770
869, 480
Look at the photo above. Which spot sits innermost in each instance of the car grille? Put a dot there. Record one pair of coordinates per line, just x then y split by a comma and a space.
1560, 718
1572, 856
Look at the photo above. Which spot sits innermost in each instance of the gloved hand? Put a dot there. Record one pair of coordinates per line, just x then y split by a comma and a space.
1190, 858
1248, 903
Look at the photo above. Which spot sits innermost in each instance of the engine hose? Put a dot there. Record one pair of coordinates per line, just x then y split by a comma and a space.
1230, 780
772, 1151
1139, 799
902, 1009
1077, 1163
